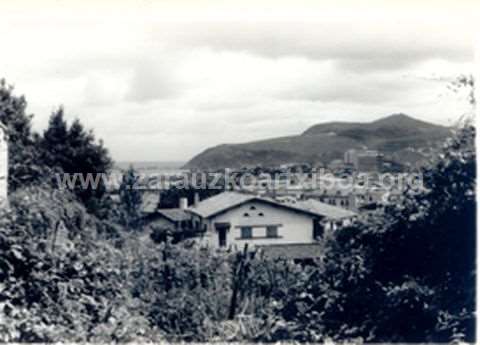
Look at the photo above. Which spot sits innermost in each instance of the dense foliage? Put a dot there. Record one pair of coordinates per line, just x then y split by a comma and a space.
67, 274
22, 153
61, 149
53, 287
73, 150
408, 274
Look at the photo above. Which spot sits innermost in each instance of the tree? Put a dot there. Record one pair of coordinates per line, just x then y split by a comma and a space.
130, 198
406, 275
55, 141
22, 152
88, 157
397, 276
76, 151
53, 288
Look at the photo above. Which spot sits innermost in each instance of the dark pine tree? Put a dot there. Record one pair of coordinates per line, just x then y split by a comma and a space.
55, 150
75, 150
23, 154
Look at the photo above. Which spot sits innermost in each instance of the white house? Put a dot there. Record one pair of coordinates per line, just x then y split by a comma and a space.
233, 219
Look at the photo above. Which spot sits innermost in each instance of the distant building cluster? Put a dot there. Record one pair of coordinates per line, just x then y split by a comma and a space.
364, 160
287, 217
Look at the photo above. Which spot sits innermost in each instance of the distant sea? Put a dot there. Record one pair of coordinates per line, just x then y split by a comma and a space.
160, 167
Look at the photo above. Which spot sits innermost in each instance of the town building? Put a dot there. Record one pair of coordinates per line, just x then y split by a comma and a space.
364, 160
174, 222
174, 219
233, 220
339, 197
354, 198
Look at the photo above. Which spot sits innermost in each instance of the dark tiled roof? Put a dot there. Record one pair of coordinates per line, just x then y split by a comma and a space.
174, 214
292, 251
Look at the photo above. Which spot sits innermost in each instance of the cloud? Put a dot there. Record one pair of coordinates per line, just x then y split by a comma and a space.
355, 46
103, 88
157, 86
153, 80
334, 85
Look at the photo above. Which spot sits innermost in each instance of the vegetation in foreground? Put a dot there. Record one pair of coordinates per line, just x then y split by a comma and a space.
74, 267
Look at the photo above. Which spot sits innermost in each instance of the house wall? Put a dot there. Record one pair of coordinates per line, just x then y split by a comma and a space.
293, 227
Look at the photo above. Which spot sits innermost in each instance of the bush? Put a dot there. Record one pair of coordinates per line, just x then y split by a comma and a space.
60, 283
397, 277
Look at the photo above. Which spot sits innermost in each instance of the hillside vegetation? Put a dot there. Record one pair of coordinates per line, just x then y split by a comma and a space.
325, 142
82, 269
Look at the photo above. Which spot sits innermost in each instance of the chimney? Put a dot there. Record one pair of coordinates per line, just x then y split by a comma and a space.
183, 204
196, 199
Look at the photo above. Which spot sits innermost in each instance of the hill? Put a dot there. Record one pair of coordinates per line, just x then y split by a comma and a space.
324, 142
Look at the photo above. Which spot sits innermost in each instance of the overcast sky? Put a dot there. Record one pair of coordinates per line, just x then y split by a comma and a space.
163, 80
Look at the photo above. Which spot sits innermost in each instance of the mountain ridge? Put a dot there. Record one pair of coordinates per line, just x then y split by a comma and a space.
324, 142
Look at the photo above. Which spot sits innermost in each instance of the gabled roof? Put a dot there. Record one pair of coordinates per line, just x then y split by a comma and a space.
174, 214
220, 202
228, 200
329, 211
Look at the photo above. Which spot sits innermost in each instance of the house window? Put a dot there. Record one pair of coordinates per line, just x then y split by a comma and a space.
272, 231
253, 208
260, 214
246, 232
246, 215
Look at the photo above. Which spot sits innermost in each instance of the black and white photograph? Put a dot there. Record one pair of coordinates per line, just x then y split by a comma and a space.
206, 171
